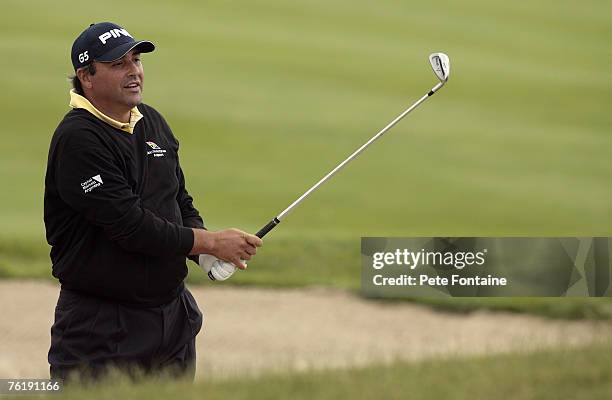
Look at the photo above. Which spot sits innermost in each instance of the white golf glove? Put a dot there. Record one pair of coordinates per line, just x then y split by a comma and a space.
217, 270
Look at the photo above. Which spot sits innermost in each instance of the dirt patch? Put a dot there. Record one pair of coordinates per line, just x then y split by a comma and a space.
248, 331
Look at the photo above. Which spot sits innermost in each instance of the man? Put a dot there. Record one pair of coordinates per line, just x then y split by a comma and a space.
121, 223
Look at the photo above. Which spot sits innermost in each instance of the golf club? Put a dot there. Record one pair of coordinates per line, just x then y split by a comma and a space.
441, 66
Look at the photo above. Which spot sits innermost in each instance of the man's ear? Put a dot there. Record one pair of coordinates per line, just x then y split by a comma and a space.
84, 77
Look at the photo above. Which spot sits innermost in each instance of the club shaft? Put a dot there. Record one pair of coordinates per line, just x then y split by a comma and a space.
275, 221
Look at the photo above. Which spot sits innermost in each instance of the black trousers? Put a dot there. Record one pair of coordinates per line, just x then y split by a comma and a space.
91, 335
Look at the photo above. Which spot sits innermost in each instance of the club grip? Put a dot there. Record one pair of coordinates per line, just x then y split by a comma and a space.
269, 226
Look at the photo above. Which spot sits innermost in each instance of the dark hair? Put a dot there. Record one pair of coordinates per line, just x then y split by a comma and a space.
76, 83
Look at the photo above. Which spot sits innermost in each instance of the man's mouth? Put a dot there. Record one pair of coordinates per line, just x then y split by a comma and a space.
132, 85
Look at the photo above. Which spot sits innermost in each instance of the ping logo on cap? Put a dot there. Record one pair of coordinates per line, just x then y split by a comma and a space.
105, 42
115, 33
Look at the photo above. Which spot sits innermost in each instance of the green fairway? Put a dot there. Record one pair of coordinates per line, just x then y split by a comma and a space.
267, 96
584, 373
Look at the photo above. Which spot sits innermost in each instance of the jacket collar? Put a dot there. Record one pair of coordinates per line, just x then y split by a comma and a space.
78, 101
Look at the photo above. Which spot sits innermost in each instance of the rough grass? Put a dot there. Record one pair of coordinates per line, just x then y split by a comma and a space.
583, 373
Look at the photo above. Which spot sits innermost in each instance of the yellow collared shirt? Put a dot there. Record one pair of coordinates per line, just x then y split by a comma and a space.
78, 101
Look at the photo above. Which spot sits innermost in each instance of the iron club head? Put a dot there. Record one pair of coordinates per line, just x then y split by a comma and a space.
441, 66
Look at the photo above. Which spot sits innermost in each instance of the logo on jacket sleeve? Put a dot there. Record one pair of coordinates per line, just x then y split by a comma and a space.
92, 183
157, 151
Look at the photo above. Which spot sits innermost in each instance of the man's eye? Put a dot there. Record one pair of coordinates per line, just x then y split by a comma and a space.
117, 64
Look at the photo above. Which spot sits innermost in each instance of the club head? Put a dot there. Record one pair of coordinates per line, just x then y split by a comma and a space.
441, 66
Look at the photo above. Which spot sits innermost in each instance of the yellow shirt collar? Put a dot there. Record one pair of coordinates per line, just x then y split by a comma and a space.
78, 101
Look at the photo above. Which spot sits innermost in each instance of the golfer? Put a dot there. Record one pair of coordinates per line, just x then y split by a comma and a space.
121, 223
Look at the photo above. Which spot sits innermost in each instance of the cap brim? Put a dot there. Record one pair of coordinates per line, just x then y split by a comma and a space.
143, 46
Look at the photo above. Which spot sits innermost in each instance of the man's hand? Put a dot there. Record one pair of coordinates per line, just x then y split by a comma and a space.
217, 270
231, 245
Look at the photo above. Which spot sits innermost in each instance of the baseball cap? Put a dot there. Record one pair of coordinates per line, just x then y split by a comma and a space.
105, 41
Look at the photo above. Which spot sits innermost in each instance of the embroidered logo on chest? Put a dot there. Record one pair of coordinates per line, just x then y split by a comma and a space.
156, 151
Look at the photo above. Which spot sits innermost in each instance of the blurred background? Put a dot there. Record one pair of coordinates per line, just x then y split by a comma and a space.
267, 96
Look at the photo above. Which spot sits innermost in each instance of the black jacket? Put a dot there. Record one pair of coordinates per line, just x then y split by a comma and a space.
116, 210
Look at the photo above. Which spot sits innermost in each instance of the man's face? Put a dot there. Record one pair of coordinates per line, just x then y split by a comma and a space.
119, 82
